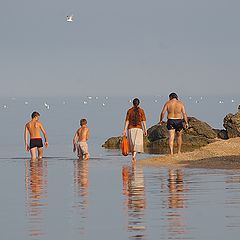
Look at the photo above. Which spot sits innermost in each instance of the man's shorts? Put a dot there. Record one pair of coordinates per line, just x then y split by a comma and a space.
36, 142
175, 124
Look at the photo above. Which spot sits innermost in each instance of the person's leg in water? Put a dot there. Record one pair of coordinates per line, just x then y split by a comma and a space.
33, 153
86, 156
79, 152
134, 156
179, 140
171, 140
40, 152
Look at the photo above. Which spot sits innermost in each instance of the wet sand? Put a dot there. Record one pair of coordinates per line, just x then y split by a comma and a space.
223, 154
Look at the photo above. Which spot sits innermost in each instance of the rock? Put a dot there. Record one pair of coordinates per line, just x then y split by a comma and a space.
221, 133
157, 132
113, 142
232, 125
199, 128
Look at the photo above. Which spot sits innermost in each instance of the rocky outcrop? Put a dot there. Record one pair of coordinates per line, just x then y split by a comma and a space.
197, 135
232, 125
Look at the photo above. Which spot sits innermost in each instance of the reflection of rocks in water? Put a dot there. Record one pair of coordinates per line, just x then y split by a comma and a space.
233, 201
81, 184
134, 190
36, 181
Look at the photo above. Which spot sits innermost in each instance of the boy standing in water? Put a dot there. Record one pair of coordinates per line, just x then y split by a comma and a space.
34, 129
80, 140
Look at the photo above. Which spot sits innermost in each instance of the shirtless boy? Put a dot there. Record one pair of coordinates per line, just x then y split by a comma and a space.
80, 140
34, 129
175, 114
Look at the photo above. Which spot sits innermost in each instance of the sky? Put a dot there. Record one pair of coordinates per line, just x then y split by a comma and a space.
113, 47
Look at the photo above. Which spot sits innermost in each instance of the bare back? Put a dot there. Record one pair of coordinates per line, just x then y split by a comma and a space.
175, 109
34, 128
82, 134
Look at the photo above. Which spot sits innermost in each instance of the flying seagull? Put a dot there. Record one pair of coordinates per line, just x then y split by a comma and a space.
70, 18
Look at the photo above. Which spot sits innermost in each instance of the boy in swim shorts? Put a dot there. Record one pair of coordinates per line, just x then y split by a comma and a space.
34, 129
80, 140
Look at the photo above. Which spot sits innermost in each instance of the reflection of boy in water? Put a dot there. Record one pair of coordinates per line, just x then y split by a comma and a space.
36, 190
80, 140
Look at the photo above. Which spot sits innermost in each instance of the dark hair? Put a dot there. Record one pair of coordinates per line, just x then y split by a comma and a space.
35, 114
173, 95
136, 102
135, 114
83, 121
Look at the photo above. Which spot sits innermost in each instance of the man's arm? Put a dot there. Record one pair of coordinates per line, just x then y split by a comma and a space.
163, 113
44, 134
26, 132
184, 115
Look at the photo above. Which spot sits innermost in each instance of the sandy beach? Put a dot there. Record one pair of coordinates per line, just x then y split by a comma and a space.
223, 154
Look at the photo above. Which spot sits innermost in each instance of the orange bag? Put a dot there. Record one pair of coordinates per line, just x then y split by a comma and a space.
125, 149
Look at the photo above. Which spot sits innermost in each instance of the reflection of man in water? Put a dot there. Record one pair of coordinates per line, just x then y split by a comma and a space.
134, 190
175, 112
176, 200
36, 189
176, 189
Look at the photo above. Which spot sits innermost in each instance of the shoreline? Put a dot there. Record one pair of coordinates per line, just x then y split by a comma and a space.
222, 154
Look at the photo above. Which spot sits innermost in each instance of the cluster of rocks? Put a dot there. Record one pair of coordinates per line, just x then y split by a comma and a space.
197, 135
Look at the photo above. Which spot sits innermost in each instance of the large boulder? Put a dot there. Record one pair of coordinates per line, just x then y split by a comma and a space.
199, 128
157, 132
113, 142
232, 125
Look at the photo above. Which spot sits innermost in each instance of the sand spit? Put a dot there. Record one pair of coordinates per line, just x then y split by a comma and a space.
223, 154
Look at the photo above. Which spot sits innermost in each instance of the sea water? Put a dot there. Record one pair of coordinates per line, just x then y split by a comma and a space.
60, 197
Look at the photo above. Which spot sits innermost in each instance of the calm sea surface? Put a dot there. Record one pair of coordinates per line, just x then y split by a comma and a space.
106, 197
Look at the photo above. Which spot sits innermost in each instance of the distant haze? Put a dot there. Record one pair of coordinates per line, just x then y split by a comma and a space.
119, 47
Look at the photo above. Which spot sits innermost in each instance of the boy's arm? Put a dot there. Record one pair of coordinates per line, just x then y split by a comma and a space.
88, 134
26, 138
44, 134
75, 138
75, 141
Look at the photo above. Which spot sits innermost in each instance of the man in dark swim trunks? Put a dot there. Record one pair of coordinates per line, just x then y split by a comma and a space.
175, 114
34, 129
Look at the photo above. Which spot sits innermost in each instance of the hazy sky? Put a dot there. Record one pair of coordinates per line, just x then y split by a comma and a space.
117, 47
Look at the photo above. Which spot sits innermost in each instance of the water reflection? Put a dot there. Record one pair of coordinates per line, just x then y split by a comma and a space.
176, 188
36, 183
176, 200
81, 185
233, 201
135, 200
